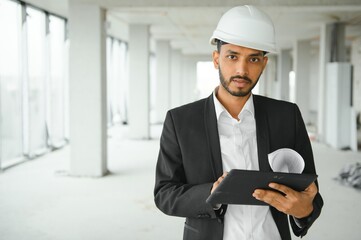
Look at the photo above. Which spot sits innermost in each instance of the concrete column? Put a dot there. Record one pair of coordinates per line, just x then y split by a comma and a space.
356, 91
163, 58
356, 62
87, 89
139, 82
185, 78
324, 57
332, 49
193, 93
338, 105
267, 84
284, 67
301, 66
314, 78
338, 94
176, 79
189, 79
338, 47
270, 76
262, 85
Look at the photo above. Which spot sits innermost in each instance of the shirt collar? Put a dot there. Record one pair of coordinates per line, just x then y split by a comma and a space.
249, 106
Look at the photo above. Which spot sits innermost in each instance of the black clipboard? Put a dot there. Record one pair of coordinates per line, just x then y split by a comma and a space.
238, 186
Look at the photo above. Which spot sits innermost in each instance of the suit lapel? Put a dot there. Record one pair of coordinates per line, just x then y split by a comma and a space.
211, 129
262, 133
263, 145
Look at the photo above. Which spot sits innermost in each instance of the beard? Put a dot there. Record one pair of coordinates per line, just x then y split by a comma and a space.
240, 92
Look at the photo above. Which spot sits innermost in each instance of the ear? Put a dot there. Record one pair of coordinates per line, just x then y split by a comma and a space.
215, 59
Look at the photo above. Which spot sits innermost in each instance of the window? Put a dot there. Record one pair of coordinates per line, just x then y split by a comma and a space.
56, 88
36, 82
207, 78
11, 129
33, 64
117, 81
152, 87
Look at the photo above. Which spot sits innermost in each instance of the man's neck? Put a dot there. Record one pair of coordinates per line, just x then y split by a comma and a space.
233, 104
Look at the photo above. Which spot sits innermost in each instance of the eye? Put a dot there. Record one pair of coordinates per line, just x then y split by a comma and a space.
232, 57
254, 59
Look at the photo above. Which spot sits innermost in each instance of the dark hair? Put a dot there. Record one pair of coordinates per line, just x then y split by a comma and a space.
220, 43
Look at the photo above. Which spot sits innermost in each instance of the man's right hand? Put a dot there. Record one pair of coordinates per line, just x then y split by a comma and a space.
216, 183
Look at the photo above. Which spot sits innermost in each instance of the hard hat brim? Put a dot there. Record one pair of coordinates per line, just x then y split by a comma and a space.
243, 43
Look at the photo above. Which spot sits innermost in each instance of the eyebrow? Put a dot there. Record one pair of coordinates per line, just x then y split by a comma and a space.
258, 54
232, 52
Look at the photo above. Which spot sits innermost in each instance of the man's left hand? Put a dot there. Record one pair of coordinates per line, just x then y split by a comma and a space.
297, 204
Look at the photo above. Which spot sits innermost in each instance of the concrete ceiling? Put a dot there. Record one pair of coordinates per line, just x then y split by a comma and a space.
188, 24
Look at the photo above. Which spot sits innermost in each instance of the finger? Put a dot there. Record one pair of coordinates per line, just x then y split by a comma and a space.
219, 180
273, 199
282, 188
215, 185
268, 196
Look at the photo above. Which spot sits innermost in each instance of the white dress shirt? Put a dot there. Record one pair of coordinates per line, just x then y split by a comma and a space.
239, 151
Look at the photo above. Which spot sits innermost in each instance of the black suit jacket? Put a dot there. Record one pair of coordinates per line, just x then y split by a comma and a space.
190, 161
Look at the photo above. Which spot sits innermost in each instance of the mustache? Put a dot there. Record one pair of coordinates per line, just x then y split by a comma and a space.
245, 78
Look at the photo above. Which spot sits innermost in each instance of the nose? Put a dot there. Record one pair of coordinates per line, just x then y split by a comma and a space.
242, 68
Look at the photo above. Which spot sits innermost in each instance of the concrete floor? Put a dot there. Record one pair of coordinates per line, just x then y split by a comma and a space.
38, 200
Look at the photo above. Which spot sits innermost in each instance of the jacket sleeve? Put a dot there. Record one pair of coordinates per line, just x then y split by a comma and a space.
303, 146
172, 194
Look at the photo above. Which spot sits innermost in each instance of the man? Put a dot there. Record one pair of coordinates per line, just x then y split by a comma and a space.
233, 129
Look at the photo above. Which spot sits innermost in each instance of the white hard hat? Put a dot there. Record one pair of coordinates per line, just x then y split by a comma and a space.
246, 26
